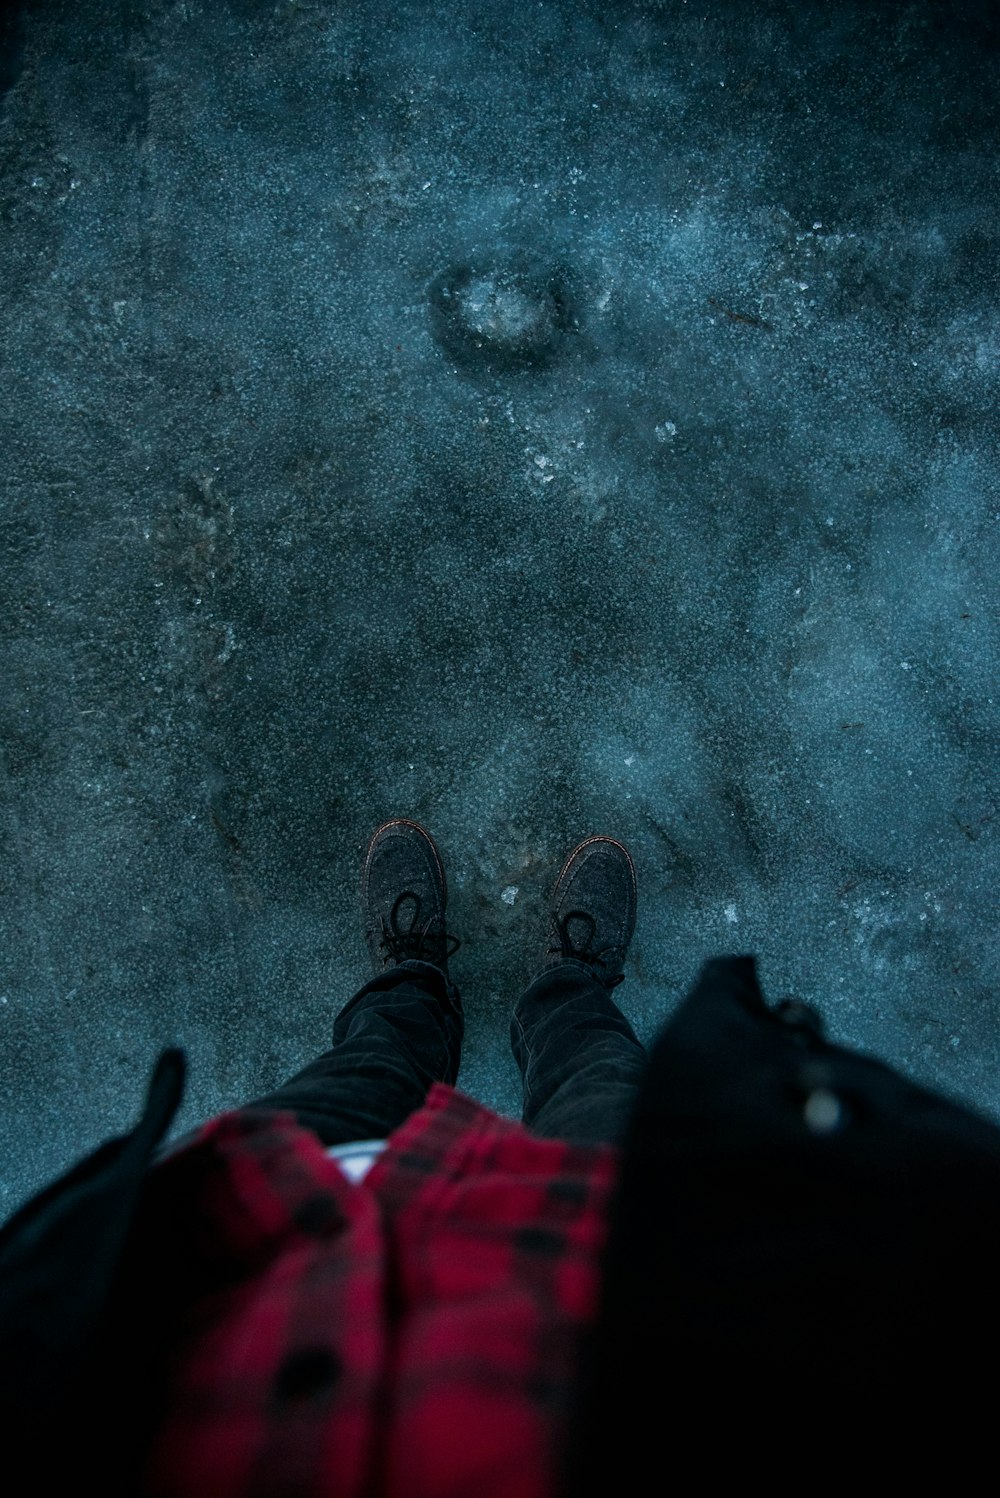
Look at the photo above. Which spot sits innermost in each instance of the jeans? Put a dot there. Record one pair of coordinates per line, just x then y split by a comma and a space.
579, 1057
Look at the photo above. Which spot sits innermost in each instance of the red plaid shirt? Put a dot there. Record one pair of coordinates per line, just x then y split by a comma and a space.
410, 1335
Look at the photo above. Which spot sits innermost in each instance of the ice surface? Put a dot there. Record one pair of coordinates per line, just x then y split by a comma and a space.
676, 518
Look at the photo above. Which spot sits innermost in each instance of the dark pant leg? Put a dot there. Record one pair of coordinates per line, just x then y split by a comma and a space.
580, 1059
398, 1035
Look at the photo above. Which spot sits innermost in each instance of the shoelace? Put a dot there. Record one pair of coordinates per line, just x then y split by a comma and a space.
427, 943
584, 953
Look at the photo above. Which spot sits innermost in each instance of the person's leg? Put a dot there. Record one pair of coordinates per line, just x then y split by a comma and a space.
579, 1057
398, 1035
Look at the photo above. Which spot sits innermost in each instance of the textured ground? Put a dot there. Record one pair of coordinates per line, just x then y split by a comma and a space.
532, 420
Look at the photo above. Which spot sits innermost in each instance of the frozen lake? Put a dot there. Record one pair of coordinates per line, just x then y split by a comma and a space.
535, 421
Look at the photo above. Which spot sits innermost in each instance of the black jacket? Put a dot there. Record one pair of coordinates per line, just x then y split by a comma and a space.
800, 1283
